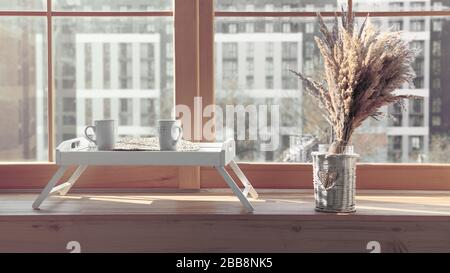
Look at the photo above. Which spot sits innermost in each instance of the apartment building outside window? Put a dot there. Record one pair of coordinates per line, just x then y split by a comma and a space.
395, 148
396, 25
269, 28
417, 25
419, 47
230, 50
106, 66
126, 113
417, 5
436, 25
309, 27
147, 112
249, 27
416, 148
436, 84
395, 111
436, 121
436, 106
436, 48
232, 28
416, 116
396, 5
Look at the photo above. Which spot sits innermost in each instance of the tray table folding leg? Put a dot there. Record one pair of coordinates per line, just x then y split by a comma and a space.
247, 185
63, 188
236, 190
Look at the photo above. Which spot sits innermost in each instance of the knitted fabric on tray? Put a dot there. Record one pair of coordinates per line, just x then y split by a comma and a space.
150, 144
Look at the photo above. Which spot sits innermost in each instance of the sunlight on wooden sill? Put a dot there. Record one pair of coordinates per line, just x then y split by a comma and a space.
119, 200
68, 197
441, 201
284, 201
149, 199
428, 211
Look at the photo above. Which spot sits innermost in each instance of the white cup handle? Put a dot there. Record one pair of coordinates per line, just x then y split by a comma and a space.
87, 136
180, 134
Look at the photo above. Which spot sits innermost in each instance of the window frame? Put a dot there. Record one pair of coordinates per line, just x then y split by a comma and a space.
194, 33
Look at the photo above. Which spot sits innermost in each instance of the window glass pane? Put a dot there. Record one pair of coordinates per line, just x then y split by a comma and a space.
112, 68
410, 134
23, 89
112, 5
424, 126
439, 127
277, 5
409, 123
252, 70
400, 5
23, 5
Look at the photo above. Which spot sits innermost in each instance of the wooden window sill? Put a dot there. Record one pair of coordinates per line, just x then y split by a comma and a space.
262, 175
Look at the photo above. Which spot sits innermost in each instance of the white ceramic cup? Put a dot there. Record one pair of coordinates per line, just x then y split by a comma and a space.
170, 132
105, 134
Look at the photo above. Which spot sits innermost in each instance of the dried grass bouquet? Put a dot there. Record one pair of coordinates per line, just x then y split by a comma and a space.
363, 68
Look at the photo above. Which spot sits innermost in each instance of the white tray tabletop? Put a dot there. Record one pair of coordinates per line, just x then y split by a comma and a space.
79, 151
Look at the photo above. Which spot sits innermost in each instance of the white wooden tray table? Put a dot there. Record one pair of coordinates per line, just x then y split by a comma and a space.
79, 152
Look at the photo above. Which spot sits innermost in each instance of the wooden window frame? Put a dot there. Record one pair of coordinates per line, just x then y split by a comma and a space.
194, 76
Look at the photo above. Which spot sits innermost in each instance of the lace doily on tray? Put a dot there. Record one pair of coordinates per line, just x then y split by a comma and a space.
150, 144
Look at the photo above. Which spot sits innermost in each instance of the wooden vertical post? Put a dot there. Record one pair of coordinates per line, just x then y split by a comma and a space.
350, 10
206, 46
186, 41
50, 97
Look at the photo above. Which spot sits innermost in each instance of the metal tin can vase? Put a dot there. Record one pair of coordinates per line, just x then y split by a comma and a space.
334, 180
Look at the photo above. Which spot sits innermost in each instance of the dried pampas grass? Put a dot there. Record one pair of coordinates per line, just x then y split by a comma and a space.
363, 68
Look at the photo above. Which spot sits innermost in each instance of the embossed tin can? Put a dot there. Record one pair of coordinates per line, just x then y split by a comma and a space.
334, 180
